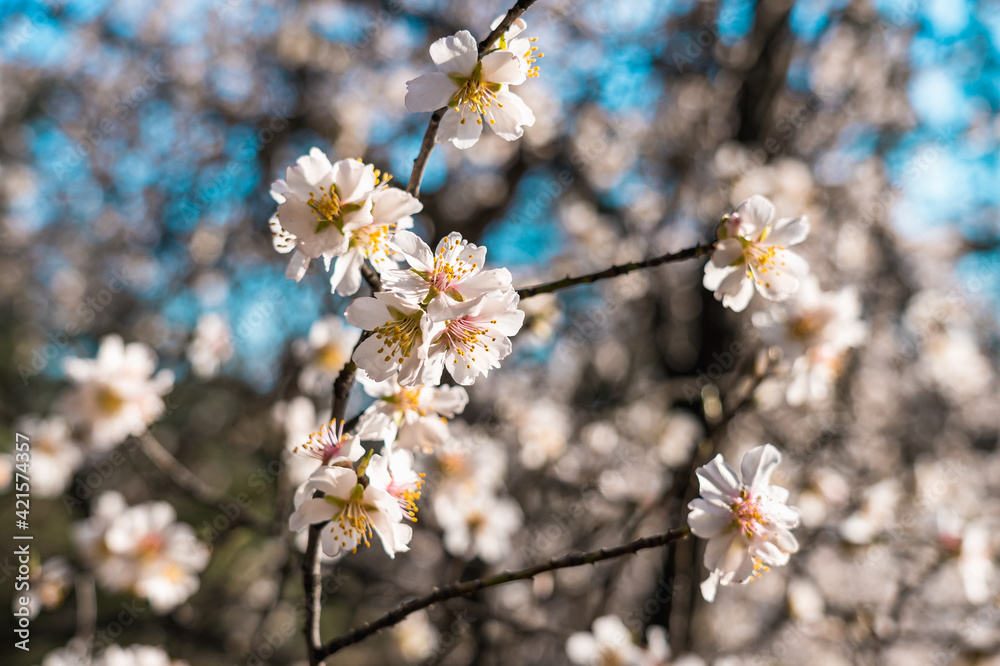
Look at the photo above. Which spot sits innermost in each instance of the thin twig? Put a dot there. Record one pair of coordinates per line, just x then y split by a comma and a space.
371, 276
615, 271
190, 483
430, 136
472, 586
311, 575
86, 607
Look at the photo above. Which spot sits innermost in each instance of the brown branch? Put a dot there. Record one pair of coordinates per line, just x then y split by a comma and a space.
190, 483
311, 575
472, 586
615, 271
430, 136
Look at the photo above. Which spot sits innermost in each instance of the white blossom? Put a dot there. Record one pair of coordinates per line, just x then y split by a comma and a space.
477, 522
746, 521
454, 271
212, 346
414, 417
351, 511
319, 204
115, 394
814, 330
471, 337
330, 444
143, 550
54, 455
472, 89
396, 475
610, 643
325, 352
392, 211
399, 340
136, 655
523, 48
751, 252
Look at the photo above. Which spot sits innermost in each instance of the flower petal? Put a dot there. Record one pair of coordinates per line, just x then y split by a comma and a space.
502, 67
727, 252
787, 231
754, 215
461, 134
457, 54
509, 115
429, 92
758, 465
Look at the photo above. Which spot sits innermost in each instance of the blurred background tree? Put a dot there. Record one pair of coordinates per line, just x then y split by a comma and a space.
137, 144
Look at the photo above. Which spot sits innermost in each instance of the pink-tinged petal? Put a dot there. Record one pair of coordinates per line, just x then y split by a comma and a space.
313, 510
717, 480
297, 266
758, 465
502, 67
510, 115
708, 520
354, 180
393, 204
754, 214
462, 135
738, 302
418, 253
335, 481
429, 92
367, 313
346, 277
727, 252
787, 231
457, 54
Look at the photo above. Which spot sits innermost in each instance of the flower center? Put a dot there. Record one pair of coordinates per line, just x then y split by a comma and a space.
330, 357
474, 94
108, 400
398, 335
149, 546
354, 522
462, 335
408, 400
407, 495
748, 514
325, 444
326, 208
373, 241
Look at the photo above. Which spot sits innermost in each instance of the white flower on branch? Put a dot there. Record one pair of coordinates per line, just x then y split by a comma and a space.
470, 338
401, 335
751, 253
319, 204
396, 475
392, 211
54, 454
414, 417
137, 655
453, 271
746, 521
814, 330
351, 509
326, 350
116, 394
523, 48
330, 444
473, 89
143, 550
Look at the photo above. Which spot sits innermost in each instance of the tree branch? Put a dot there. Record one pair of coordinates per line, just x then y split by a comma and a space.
430, 136
615, 271
472, 586
190, 483
311, 575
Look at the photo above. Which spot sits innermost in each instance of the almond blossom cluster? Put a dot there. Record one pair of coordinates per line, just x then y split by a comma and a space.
429, 311
476, 88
